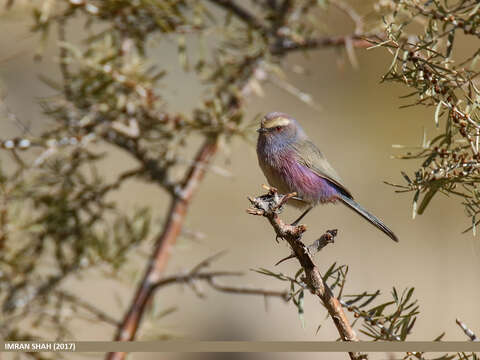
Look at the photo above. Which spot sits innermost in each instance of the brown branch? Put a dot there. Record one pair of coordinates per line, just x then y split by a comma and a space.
268, 206
247, 290
188, 278
164, 245
285, 46
210, 278
317, 245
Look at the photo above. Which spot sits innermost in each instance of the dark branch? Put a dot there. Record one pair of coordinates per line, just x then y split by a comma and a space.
285, 46
209, 278
248, 290
240, 13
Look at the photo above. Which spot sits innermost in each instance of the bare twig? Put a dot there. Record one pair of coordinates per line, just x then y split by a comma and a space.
317, 245
467, 331
354, 40
248, 290
196, 274
267, 206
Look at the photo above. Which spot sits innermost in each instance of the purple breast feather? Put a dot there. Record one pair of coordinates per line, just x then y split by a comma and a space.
299, 178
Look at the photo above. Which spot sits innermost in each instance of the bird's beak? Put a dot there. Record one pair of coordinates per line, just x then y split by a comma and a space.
261, 130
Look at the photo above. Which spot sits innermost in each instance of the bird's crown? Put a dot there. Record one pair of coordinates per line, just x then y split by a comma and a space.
275, 119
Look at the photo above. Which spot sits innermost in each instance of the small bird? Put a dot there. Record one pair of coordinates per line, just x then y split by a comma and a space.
292, 163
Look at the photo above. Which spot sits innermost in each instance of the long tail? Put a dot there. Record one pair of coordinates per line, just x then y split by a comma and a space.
366, 215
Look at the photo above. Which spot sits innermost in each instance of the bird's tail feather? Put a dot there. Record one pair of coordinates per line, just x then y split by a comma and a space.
366, 215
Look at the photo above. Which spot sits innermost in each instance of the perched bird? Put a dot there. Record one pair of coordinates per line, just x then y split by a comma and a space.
292, 163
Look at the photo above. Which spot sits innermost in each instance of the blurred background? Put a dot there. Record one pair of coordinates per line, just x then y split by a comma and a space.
355, 121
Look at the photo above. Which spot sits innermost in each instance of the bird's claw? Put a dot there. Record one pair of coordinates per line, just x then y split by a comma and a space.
285, 258
295, 223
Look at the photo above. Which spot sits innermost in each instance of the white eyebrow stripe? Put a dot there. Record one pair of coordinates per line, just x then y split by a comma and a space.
280, 121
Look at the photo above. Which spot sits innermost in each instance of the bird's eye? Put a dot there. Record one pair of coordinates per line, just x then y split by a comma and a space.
278, 128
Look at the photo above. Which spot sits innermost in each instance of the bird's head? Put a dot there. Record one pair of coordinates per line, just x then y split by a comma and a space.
277, 126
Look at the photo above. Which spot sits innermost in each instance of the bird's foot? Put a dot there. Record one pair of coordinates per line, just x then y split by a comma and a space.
295, 223
291, 256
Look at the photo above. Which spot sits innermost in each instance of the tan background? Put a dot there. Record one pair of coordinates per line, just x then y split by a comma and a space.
359, 122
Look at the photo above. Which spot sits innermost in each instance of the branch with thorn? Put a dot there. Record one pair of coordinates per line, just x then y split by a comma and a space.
269, 206
317, 245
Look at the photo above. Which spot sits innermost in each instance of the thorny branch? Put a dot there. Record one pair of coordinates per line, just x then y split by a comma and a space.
268, 205
317, 245
426, 61
395, 324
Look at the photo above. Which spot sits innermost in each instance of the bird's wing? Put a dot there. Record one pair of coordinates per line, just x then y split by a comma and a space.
310, 156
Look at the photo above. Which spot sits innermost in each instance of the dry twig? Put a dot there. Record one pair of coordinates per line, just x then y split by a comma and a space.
268, 205
466, 330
